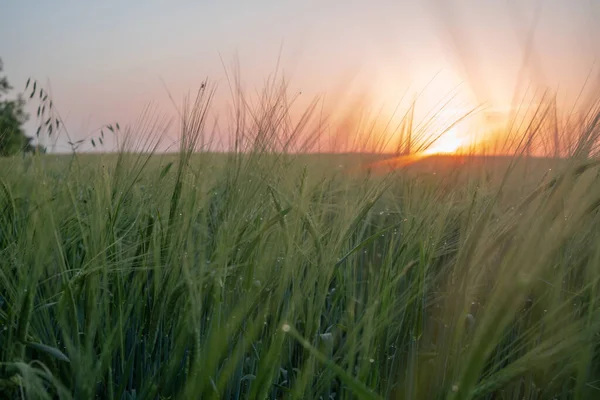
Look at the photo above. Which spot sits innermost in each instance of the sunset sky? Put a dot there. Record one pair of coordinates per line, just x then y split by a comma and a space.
106, 60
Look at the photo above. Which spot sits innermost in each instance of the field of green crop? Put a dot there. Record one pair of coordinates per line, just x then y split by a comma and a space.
265, 275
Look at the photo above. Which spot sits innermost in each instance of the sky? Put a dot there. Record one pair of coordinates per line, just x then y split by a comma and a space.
104, 61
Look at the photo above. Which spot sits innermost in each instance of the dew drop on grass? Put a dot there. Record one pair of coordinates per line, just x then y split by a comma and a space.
285, 328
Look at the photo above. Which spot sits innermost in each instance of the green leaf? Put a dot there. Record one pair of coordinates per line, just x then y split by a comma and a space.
37, 133
53, 351
118, 127
110, 128
93, 143
57, 123
39, 110
364, 243
48, 121
362, 214
357, 387
248, 377
27, 84
165, 170
100, 140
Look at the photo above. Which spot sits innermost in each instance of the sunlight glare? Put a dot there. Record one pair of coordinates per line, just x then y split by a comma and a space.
448, 143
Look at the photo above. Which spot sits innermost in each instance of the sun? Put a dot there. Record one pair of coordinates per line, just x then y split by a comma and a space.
448, 143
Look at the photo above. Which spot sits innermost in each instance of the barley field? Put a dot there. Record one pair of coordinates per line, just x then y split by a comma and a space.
264, 274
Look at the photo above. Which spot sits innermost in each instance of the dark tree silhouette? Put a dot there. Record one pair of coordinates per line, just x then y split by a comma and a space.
12, 117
